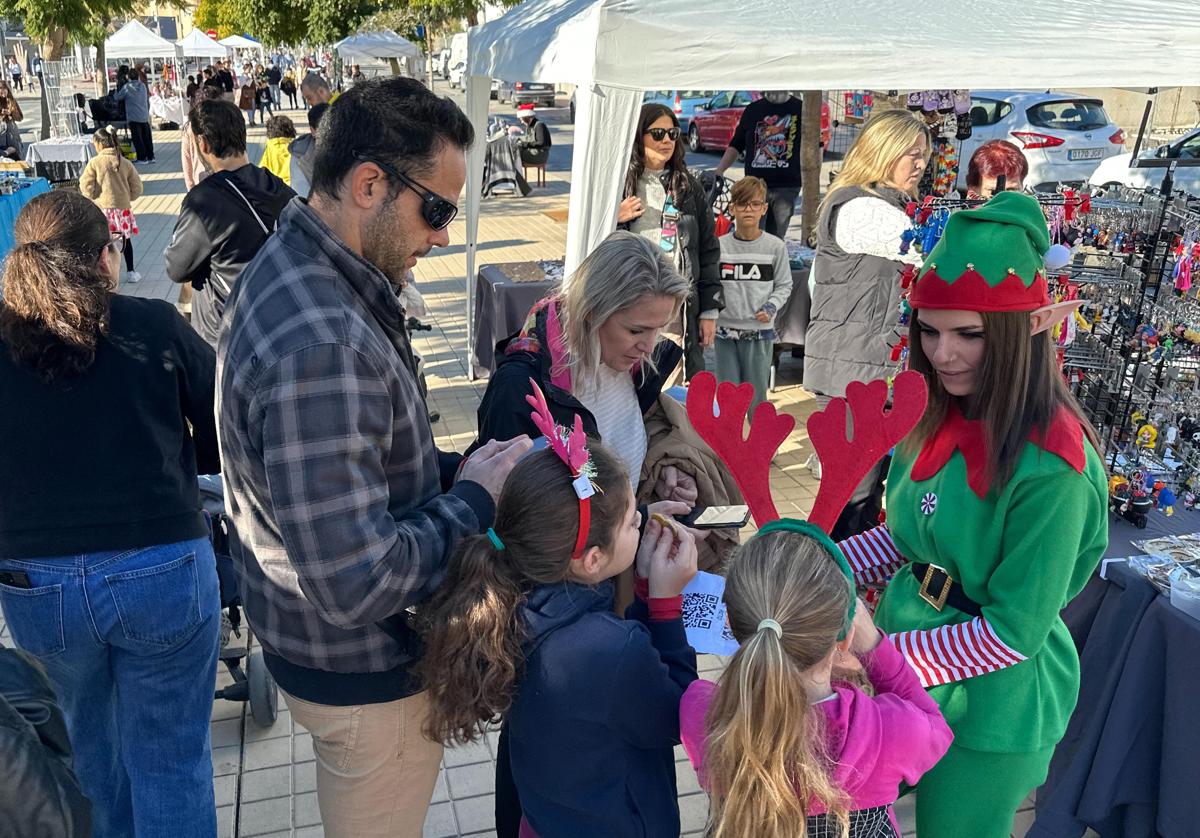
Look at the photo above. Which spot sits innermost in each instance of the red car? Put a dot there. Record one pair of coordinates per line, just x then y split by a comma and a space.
713, 123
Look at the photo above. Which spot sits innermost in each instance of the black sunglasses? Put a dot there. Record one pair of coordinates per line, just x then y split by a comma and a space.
436, 210
659, 133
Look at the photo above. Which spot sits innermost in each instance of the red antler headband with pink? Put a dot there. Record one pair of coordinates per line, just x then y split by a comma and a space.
571, 448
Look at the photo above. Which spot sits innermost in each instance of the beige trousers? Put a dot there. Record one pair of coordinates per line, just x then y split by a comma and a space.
375, 769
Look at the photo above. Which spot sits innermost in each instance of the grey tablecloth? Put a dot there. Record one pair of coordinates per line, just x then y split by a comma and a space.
501, 305
792, 322
1130, 760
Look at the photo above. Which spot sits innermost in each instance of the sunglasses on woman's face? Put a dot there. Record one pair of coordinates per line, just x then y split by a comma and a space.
657, 134
436, 210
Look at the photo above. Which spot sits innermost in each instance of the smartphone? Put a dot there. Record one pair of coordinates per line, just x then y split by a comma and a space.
538, 444
15, 579
716, 517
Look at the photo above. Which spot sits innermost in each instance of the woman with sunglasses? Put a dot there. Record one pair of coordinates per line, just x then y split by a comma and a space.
107, 575
665, 204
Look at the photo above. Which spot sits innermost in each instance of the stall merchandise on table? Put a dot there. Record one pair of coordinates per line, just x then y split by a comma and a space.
60, 158
168, 109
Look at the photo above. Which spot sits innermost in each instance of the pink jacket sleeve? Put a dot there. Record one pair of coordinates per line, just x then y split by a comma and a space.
692, 708
897, 735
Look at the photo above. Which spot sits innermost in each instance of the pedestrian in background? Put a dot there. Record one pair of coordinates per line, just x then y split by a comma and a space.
114, 184
136, 96
276, 157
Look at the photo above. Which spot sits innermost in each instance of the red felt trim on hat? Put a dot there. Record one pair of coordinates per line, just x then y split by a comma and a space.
971, 292
1064, 438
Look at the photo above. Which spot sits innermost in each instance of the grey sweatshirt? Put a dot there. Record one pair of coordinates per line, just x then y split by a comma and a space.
757, 276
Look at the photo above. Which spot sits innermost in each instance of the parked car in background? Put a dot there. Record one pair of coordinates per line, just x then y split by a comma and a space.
682, 102
456, 74
713, 122
526, 91
1115, 170
1064, 136
496, 88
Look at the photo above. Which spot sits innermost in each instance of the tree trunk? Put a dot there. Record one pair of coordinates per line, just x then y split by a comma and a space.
473, 16
101, 70
811, 154
394, 64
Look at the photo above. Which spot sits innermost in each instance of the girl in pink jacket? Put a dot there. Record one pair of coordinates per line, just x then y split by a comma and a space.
784, 746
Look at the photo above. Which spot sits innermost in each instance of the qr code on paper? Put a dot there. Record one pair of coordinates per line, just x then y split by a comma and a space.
727, 632
699, 610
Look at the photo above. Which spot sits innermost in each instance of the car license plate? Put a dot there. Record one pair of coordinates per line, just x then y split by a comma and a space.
1085, 154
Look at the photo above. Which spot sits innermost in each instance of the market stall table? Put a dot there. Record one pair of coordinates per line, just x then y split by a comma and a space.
60, 158
1127, 765
504, 294
10, 208
167, 109
791, 323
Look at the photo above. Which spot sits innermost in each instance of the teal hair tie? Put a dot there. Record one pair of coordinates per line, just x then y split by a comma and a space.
495, 539
815, 532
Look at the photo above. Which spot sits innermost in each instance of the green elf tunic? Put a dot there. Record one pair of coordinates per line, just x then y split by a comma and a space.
1007, 681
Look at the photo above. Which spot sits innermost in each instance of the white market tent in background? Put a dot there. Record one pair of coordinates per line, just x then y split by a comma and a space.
198, 45
236, 42
380, 46
134, 40
616, 49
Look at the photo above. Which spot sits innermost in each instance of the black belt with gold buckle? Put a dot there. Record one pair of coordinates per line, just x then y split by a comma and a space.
939, 590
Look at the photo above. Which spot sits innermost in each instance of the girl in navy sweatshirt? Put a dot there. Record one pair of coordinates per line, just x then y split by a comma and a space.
523, 630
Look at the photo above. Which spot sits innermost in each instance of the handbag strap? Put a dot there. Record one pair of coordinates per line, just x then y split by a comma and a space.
253, 211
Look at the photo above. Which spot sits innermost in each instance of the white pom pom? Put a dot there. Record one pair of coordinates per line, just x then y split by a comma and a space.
1058, 256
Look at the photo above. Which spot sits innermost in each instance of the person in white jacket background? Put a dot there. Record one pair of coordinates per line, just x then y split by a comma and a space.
757, 278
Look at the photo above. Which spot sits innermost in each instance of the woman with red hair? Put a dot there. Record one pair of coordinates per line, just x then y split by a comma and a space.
991, 161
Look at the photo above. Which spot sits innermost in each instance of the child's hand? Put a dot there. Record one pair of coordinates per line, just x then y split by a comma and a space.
866, 635
672, 562
762, 317
650, 536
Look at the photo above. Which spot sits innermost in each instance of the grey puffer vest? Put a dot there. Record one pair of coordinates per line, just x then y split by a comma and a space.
855, 307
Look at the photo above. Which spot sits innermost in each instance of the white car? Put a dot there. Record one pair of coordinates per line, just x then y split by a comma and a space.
1187, 178
1064, 136
456, 74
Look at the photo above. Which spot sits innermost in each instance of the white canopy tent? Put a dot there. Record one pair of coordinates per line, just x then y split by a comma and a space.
134, 40
380, 46
198, 45
615, 49
236, 42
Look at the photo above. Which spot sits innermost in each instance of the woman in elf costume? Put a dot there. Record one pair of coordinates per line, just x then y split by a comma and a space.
995, 519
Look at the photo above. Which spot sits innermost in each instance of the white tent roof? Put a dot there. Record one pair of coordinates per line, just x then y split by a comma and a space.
240, 42
382, 44
134, 40
615, 49
198, 44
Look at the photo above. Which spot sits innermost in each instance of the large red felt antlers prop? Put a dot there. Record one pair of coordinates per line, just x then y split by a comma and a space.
845, 461
749, 459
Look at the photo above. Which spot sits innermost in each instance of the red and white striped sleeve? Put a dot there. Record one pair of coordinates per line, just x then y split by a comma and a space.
955, 652
872, 555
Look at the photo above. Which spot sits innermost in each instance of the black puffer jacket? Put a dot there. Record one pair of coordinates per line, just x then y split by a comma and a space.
39, 795
217, 234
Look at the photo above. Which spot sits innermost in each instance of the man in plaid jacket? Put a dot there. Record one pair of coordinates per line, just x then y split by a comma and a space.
346, 511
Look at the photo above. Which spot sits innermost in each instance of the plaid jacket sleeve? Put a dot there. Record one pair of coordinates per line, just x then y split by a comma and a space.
328, 427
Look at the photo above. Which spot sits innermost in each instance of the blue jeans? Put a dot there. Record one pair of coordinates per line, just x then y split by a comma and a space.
130, 640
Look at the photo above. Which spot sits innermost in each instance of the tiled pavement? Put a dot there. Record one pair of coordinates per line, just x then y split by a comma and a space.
265, 778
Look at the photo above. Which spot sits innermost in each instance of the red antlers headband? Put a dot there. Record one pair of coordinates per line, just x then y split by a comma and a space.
571, 448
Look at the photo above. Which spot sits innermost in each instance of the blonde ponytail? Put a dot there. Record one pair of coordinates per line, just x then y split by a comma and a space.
766, 757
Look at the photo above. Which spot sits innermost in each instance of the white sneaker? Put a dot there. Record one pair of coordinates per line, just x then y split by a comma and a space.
813, 464
134, 276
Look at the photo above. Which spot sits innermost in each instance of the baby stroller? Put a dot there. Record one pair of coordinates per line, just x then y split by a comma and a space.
252, 682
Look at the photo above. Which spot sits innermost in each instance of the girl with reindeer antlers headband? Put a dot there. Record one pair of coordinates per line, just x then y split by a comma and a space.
523, 630
996, 508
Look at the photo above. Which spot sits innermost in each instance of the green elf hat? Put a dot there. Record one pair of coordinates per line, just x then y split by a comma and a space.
992, 258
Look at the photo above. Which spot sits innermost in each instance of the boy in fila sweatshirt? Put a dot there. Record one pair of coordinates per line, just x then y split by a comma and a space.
757, 277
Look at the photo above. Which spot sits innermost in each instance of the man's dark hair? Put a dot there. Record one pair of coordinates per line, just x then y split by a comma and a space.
314, 115
397, 121
221, 125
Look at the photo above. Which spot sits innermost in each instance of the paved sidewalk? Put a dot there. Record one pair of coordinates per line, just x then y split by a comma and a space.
265, 778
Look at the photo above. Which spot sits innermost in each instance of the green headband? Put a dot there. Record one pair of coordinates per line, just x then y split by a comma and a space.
815, 532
